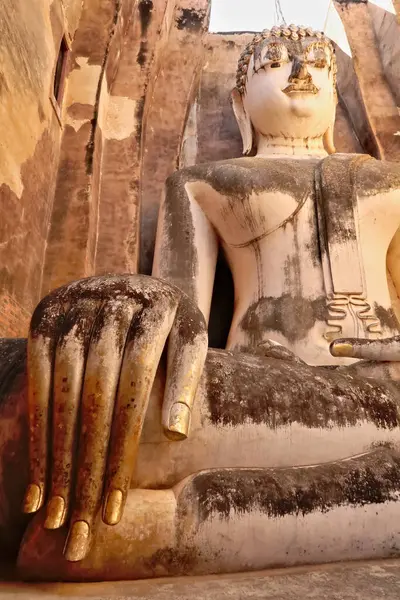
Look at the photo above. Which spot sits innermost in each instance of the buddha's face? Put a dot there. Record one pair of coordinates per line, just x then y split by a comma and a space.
290, 88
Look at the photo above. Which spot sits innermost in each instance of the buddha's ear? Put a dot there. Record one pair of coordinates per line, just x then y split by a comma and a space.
329, 144
328, 138
243, 121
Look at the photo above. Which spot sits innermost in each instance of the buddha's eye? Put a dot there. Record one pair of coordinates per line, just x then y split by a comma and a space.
319, 64
276, 53
271, 55
316, 55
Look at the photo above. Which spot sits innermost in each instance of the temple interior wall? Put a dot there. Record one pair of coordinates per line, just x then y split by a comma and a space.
146, 91
31, 133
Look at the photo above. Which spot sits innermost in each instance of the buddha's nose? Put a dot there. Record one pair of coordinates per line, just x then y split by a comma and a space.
299, 71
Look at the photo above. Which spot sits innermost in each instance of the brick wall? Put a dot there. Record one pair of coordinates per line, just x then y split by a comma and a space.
14, 319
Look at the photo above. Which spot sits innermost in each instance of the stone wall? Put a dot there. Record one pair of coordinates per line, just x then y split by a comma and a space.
378, 99
31, 34
96, 49
147, 90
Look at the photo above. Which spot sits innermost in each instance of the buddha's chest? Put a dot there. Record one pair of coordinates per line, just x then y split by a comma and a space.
245, 221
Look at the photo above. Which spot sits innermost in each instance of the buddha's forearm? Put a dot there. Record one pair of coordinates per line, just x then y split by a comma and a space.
186, 246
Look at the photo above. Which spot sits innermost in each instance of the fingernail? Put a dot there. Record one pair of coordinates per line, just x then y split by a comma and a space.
32, 498
113, 508
55, 513
77, 545
179, 422
341, 349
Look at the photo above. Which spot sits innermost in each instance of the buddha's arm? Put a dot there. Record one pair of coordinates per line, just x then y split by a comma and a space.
187, 245
110, 362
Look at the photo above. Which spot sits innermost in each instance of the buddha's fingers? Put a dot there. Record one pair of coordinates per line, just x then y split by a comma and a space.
71, 354
145, 343
45, 324
187, 351
98, 397
380, 350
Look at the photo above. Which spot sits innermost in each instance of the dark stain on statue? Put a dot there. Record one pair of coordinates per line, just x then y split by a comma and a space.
292, 316
313, 247
243, 388
346, 2
145, 12
190, 322
337, 175
387, 317
191, 19
179, 253
171, 561
292, 268
86, 297
378, 176
241, 177
373, 478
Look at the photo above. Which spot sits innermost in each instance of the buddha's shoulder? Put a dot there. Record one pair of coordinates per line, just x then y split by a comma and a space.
378, 176
250, 174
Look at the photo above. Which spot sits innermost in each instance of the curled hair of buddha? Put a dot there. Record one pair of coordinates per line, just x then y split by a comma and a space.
291, 32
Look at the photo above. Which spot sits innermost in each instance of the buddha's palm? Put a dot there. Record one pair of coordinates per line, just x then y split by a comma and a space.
93, 351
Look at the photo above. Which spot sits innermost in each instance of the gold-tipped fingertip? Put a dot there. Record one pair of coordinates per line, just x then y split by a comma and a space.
78, 542
33, 499
179, 422
113, 508
341, 349
55, 514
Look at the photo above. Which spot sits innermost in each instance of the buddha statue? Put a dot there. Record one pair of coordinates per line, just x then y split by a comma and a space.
281, 449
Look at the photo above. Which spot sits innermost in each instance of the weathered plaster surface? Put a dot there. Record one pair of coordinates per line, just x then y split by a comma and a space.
120, 119
72, 237
118, 229
379, 102
179, 71
29, 146
387, 31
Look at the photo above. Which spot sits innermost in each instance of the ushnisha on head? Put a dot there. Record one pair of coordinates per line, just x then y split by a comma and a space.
286, 87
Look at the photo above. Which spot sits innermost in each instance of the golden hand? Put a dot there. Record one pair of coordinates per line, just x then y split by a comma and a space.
93, 351
386, 349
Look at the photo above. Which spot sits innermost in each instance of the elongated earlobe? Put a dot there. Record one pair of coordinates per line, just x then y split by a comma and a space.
328, 138
329, 144
243, 121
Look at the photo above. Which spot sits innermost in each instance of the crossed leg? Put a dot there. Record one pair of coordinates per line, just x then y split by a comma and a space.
241, 488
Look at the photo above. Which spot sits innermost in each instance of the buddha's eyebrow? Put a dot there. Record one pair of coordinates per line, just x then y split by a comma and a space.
261, 48
317, 44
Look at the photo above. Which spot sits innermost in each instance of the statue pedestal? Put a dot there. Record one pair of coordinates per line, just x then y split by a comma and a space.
358, 581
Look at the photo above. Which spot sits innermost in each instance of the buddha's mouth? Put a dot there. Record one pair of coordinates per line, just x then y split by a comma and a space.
305, 88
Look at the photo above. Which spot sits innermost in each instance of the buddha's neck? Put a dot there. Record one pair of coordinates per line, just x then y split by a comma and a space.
298, 147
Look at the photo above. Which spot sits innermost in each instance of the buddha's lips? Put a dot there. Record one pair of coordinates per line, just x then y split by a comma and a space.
307, 88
